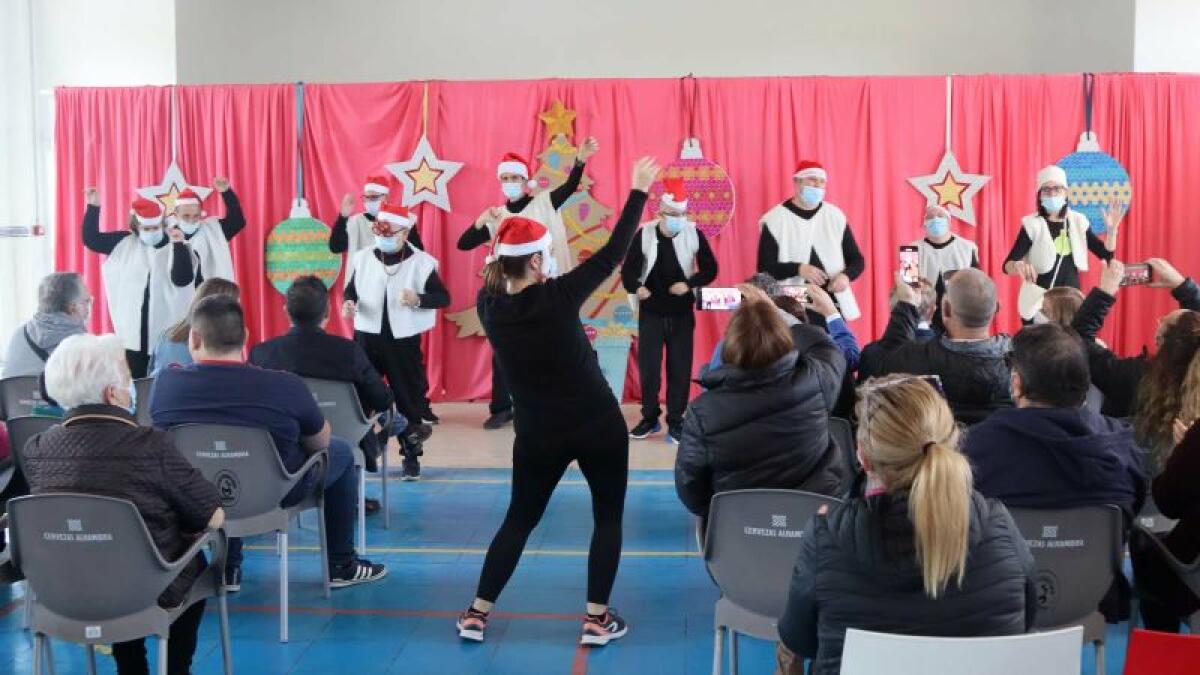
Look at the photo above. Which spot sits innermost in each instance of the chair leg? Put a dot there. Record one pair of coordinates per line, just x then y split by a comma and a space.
278, 546
91, 659
48, 646
323, 547
162, 655
383, 487
37, 653
362, 511
283, 588
28, 615
733, 652
718, 644
226, 645
1100, 669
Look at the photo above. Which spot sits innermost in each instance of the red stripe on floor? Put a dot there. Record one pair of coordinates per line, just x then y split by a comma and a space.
11, 607
579, 667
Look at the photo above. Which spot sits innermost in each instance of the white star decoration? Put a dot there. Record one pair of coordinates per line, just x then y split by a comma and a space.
424, 177
951, 188
172, 184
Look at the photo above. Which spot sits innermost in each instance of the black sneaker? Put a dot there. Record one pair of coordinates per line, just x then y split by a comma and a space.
600, 630
471, 624
644, 429
498, 420
371, 506
418, 433
359, 571
674, 433
233, 578
412, 469
429, 418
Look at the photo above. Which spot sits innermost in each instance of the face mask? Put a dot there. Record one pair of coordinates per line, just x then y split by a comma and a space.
812, 195
937, 227
132, 399
150, 238
372, 206
512, 190
1053, 204
387, 244
189, 228
675, 224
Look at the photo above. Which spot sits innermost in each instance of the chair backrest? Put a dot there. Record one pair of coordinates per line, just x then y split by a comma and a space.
242, 462
21, 429
143, 386
1146, 538
1153, 653
22, 396
1077, 553
87, 558
339, 404
843, 434
1051, 653
1151, 518
752, 541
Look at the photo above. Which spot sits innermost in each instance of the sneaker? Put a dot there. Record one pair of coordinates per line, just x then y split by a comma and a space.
644, 429
412, 469
233, 579
600, 630
498, 420
371, 506
674, 433
471, 624
419, 433
429, 418
359, 571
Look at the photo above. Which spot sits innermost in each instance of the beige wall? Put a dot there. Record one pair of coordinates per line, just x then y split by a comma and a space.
372, 40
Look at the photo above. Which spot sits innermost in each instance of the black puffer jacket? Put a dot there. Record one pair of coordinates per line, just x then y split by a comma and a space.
764, 428
858, 569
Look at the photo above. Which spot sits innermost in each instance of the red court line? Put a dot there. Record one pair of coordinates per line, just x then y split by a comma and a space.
11, 607
404, 613
580, 665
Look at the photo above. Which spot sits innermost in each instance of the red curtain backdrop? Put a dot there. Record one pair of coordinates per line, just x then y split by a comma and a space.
871, 133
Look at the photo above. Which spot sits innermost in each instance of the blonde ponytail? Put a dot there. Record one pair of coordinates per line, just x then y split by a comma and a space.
939, 505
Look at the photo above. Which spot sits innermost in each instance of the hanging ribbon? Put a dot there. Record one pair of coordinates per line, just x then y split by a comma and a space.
174, 125
1089, 90
299, 140
425, 108
689, 101
949, 98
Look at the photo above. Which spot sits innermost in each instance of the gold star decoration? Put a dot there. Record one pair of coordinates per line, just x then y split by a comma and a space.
558, 120
168, 190
949, 191
424, 177
951, 188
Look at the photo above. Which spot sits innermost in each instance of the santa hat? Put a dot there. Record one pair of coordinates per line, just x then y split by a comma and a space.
376, 184
187, 198
674, 195
809, 169
1052, 174
519, 236
517, 165
395, 214
148, 213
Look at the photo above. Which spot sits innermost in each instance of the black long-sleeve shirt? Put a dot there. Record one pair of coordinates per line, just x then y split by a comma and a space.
557, 387
768, 251
474, 237
436, 296
309, 351
339, 239
1068, 274
667, 272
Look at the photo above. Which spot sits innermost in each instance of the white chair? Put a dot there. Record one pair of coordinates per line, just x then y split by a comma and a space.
1050, 653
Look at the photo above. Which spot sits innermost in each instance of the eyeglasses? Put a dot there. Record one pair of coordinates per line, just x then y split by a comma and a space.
934, 381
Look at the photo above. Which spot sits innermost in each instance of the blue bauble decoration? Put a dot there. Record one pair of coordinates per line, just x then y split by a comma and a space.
1095, 179
623, 314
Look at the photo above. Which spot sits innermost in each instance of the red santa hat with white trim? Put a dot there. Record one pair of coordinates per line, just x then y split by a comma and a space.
516, 165
519, 236
397, 215
674, 195
810, 169
376, 184
187, 198
148, 213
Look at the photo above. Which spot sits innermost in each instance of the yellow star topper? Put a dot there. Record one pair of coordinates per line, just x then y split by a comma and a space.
949, 191
558, 120
424, 177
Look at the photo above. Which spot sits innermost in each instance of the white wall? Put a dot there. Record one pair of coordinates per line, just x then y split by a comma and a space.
1165, 38
372, 40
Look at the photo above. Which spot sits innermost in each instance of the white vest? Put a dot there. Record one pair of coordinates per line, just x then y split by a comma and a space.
1042, 255
686, 244
542, 210
956, 255
376, 284
359, 235
212, 249
125, 273
798, 238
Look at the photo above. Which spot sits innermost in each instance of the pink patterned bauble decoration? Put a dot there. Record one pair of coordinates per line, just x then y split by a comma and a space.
709, 189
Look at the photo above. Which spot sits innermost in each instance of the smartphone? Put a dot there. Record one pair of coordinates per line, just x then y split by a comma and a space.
910, 265
720, 299
1137, 274
797, 291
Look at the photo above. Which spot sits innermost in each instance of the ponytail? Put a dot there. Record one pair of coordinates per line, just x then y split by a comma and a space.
493, 278
939, 505
497, 273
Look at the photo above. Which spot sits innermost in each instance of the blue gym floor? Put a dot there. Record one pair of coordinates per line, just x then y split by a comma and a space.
441, 527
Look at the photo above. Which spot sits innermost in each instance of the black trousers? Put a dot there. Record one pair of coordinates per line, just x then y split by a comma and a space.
181, 646
501, 399
673, 333
602, 450
401, 362
1166, 601
139, 363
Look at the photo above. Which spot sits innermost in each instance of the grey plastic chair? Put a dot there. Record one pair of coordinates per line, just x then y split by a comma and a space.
22, 396
23, 428
1078, 553
97, 574
249, 473
843, 434
1188, 573
339, 404
1152, 519
750, 548
143, 386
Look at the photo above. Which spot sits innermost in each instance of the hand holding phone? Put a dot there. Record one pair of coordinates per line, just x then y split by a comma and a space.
720, 299
910, 265
1137, 274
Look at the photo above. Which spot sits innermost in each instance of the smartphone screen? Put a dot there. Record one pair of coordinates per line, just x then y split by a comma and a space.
910, 265
797, 291
1137, 274
720, 299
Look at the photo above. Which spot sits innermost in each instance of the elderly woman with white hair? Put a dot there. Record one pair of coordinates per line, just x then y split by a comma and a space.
100, 449
941, 253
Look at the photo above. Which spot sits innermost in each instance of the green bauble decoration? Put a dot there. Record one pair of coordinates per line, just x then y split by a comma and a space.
300, 246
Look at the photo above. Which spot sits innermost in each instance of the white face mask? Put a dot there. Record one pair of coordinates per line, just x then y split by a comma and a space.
150, 238
512, 190
188, 228
372, 206
387, 244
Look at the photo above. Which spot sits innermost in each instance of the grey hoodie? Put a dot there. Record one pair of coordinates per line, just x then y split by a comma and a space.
46, 331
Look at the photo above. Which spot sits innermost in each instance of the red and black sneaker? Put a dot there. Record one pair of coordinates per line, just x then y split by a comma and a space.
599, 630
471, 624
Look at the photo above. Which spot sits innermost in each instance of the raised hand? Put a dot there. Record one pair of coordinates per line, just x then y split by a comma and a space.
1111, 274
91, 196
821, 302
221, 183
645, 170
589, 148
906, 293
347, 205
1113, 212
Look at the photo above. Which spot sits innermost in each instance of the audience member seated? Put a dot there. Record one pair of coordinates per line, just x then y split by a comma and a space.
968, 358
1119, 379
1059, 305
1165, 599
64, 307
762, 421
868, 363
1049, 451
308, 351
171, 348
219, 388
99, 449
920, 554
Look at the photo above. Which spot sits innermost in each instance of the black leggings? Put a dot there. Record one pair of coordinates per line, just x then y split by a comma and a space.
602, 451
181, 646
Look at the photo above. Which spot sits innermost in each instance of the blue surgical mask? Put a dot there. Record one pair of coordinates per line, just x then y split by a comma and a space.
512, 190
132, 399
150, 238
188, 228
387, 244
937, 227
675, 223
1054, 204
372, 206
812, 195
